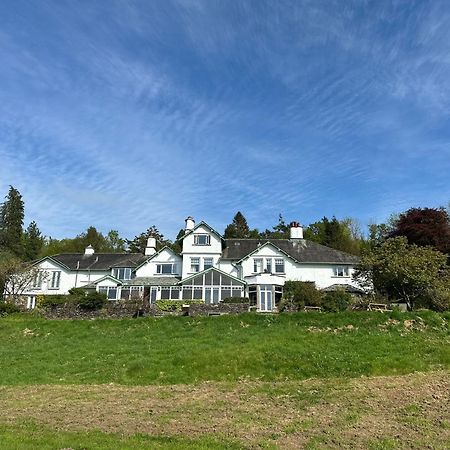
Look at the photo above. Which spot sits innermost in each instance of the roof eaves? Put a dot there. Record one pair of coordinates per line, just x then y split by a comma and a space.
265, 245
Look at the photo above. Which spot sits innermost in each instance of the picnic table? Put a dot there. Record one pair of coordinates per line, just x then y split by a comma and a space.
381, 307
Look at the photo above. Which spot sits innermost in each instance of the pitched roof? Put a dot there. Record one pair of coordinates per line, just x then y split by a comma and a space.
202, 223
301, 250
152, 281
98, 261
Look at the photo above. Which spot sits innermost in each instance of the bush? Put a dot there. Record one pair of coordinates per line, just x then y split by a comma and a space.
51, 301
298, 294
77, 292
175, 305
92, 301
245, 300
336, 300
7, 308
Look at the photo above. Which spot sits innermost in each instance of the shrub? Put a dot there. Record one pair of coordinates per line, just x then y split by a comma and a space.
8, 308
236, 300
77, 292
51, 301
92, 301
175, 305
297, 294
336, 300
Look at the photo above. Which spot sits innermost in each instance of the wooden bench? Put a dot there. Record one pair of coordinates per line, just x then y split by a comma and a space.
381, 307
312, 308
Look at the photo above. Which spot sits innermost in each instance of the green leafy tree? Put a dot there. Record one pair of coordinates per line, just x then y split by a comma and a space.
114, 242
33, 242
138, 244
343, 235
399, 270
11, 222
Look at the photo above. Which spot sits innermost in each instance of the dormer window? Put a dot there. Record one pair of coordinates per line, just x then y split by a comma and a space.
122, 273
166, 268
202, 239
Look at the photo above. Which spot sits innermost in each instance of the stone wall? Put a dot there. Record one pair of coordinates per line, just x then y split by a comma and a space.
128, 309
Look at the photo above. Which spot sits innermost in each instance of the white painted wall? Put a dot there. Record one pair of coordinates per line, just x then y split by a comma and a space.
321, 274
214, 250
68, 279
165, 256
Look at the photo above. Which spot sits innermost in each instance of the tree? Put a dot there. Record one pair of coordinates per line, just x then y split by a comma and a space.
11, 222
297, 294
114, 242
32, 242
343, 235
17, 276
138, 244
280, 230
400, 270
239, 229
425, 227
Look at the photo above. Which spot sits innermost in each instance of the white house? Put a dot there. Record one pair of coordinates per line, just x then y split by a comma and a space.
209, 268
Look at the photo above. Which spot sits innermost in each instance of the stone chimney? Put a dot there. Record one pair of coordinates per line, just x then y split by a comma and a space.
150, 249
296, 230
190, 224
89, 250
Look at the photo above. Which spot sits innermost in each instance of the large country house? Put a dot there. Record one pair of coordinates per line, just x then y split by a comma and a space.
209, 267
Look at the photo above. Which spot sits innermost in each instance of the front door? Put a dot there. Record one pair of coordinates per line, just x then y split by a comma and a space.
153, 292
266, 298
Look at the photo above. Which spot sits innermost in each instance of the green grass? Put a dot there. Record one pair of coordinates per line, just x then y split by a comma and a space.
30, 436
179, 350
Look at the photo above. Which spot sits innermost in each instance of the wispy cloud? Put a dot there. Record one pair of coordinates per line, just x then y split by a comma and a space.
143, 113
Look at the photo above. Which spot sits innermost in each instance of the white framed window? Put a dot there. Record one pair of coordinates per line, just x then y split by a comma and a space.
341, 271
110, 291
55, 279
268, 268
279, 265
37, 281
207, 263
166, 268
257, 265
195, 264
202, 239
122, 273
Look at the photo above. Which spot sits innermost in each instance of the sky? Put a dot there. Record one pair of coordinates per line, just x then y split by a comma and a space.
124, 114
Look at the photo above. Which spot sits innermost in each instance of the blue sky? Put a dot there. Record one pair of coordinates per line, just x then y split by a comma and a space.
123, 114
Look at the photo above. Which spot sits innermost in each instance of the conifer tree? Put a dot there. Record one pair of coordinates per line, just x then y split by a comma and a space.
32, 242
11, 222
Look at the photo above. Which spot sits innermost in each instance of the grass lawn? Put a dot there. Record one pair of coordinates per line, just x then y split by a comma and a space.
256, 381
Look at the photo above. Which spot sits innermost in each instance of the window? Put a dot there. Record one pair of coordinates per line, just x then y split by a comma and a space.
341, 271
257, 265
207, 263
165, 269
37, 281
195, 264
268, 265
202, 239
110, 291
122, 273
55, 279
279, 265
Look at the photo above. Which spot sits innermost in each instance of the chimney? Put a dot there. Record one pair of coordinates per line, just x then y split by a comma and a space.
151, 246
296, 230
89, 250
190, 224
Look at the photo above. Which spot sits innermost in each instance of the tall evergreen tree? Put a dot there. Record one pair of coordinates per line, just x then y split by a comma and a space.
33, 242
280, 230
11, 222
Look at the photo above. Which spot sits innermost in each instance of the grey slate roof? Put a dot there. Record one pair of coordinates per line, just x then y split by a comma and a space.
346, 287
152, 281
99, 261
301, 250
